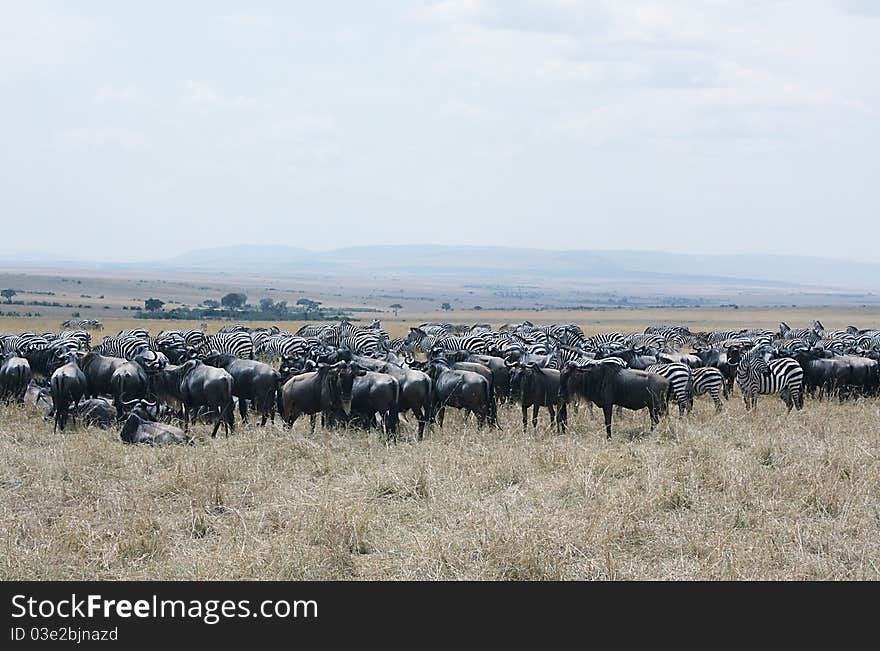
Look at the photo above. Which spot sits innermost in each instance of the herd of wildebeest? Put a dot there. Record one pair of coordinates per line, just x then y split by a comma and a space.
357, 375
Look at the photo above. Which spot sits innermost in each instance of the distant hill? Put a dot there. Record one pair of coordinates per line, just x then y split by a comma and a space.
510, 264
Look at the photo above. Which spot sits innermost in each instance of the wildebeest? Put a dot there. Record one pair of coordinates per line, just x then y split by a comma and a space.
609, 383
460, 389
139, 430
321, 391
68, 384
251, 380
193, 385
416, 388
537, 387
128, 382
15, 376
375, 394
96, 411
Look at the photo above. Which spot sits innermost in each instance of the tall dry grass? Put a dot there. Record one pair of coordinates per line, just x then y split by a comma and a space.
729, 496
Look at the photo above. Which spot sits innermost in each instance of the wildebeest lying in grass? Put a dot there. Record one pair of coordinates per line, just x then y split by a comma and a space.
138, 430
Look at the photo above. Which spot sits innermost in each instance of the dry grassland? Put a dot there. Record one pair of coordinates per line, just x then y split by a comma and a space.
729, 496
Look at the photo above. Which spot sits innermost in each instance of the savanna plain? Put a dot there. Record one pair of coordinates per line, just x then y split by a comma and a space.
734, 495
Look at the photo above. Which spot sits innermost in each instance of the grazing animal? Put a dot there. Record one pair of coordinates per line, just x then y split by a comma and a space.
608, 383
538, 387
327, 389
138, 430
15, 376
756, 376
252, 380
708, 379
460, 389
68, 384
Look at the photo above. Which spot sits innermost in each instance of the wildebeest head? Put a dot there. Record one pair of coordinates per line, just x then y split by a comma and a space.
144, 409
341, 377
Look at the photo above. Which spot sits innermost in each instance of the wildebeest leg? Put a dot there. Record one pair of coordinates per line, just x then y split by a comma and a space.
441, 413
608, 409
217, 424
525, 417
243, 409
535, 411
552, 415
562, 418
619, 411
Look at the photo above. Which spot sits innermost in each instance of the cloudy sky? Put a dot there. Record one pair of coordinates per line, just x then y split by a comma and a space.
712, 126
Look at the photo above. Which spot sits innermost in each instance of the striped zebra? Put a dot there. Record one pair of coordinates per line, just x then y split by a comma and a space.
142, 333
564, 355
681, 380
708, 379
23, 342
807, 334
83, 323
237, 343
235, 327
313, 329
81, 338
756, 376
288, 345
607, 339
126, 347
868, 339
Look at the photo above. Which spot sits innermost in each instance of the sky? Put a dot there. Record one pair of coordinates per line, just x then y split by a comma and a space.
130, 131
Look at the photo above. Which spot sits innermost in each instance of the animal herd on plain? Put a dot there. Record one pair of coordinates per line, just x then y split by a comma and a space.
358, 376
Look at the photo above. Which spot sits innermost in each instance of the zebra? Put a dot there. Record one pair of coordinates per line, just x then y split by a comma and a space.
563, 355
141, 333
807, 334
83, 323
755, 376
708, 379
235, 327
126, 347
81, 338
23, 342
237, 343
681, 381
285, 345
606, 339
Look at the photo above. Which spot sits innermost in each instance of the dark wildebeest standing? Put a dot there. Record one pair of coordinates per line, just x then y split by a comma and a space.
537, 387
251, 380
416, 388
321, 391
460, 389
15, 376
194, 384
609, 383
68, 384
376, 393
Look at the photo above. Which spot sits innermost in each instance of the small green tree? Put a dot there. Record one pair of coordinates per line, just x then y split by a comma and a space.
8, 294
234, 300
395, 307
266, 304
445, 306
153, 304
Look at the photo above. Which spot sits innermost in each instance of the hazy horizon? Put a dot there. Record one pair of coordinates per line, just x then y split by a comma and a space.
141, 132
